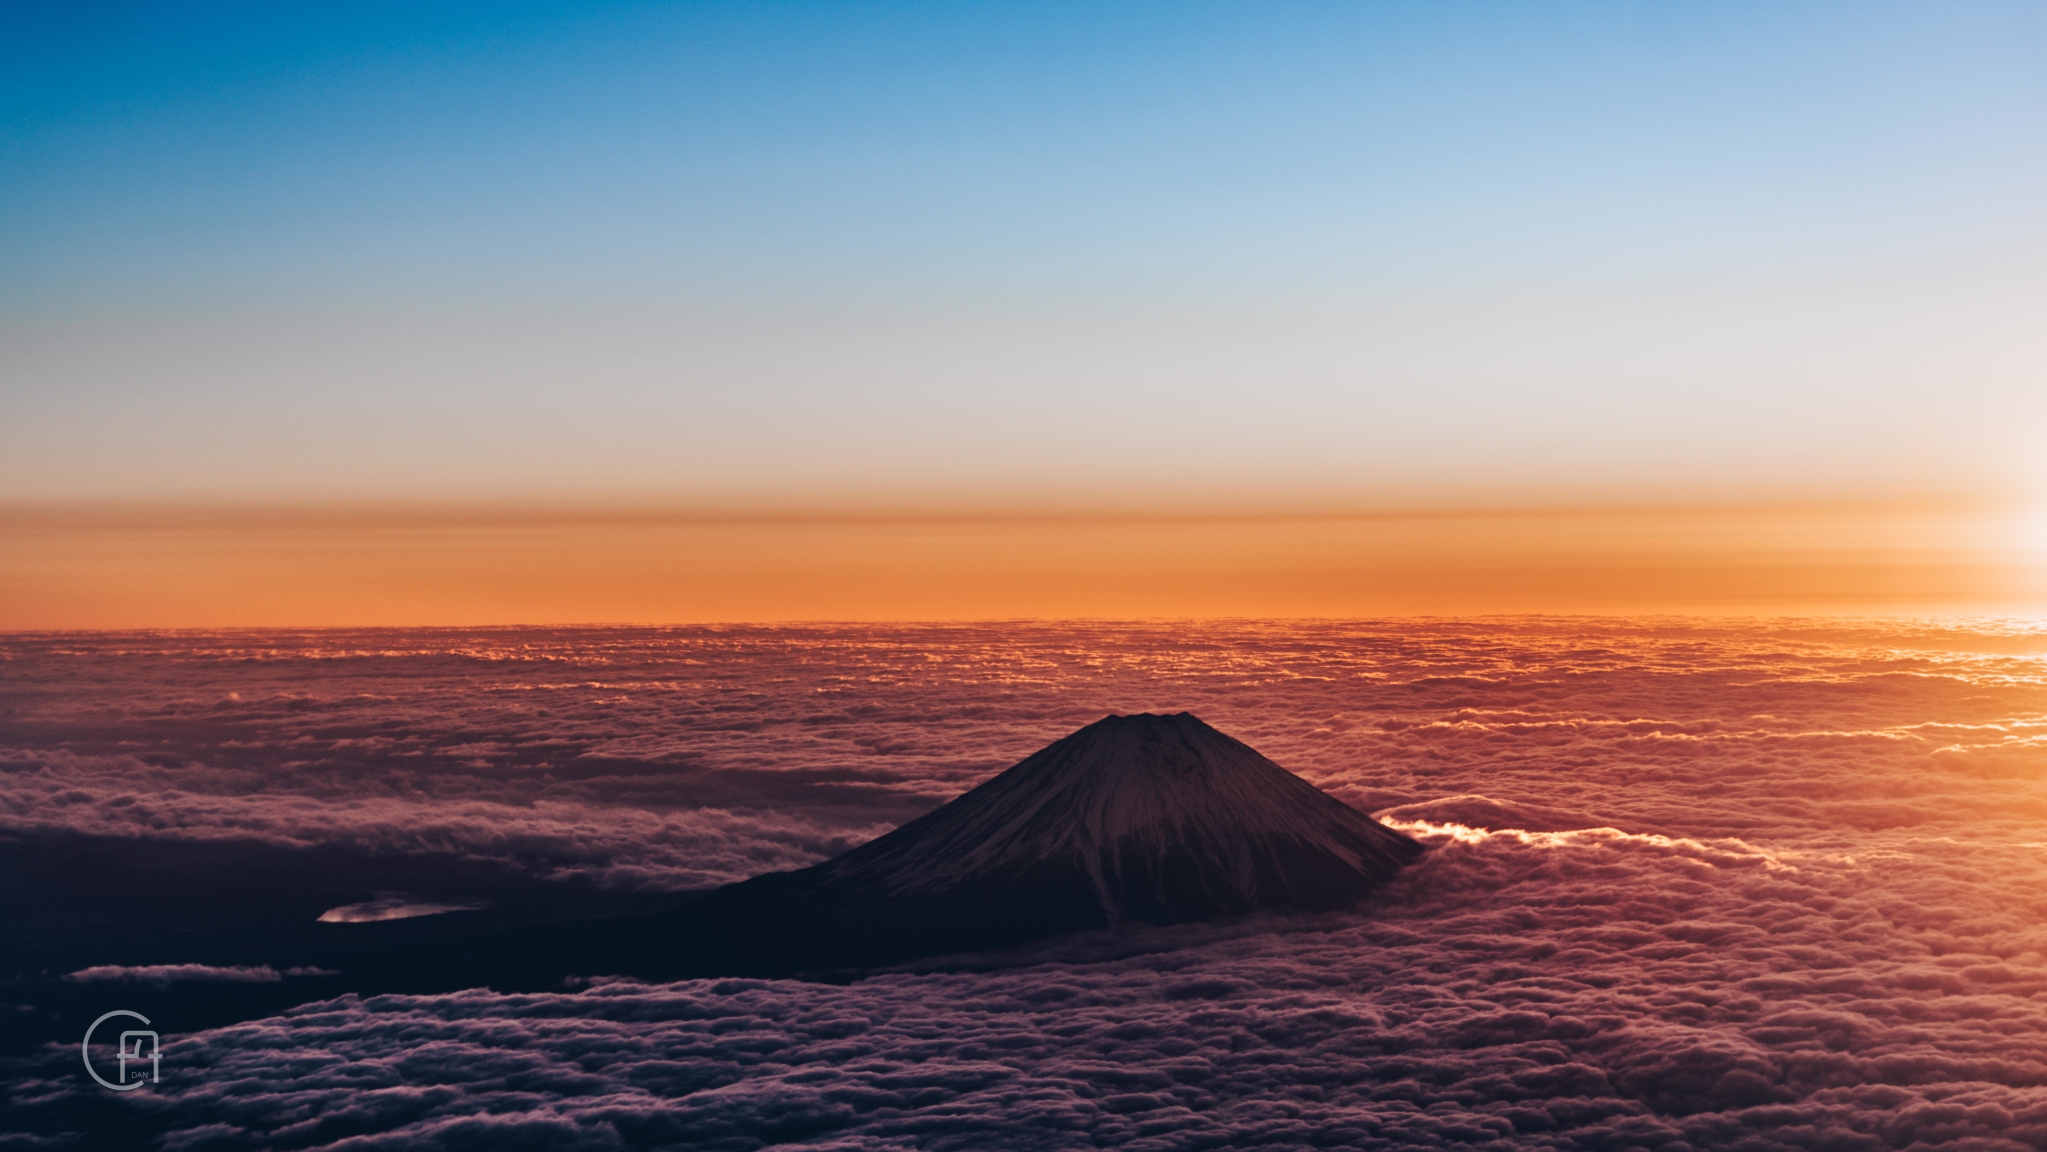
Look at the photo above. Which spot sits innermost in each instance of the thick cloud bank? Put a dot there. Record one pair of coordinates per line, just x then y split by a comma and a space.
684, 758
1694, 885
1577, 990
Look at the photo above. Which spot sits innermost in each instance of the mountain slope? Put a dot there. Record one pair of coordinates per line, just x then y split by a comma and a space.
1158, 819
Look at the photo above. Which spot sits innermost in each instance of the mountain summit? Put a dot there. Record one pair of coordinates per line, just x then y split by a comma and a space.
1153, 818
1158, 819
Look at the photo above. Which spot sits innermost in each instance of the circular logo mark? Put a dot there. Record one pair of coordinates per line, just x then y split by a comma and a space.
129, 1050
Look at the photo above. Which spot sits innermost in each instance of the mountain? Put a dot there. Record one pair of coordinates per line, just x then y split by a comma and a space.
1153, 819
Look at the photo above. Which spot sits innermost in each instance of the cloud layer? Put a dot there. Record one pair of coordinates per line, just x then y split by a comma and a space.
1694, 885
1574, 990
686, 758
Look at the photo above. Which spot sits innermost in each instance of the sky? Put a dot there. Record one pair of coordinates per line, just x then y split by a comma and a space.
858, 259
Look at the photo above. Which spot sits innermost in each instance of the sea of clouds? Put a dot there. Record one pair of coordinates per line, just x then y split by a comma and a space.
1695, 884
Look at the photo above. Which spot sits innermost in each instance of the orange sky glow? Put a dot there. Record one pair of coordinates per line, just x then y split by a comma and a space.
139, 568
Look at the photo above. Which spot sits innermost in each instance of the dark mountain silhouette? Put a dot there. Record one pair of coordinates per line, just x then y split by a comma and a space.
1152, 819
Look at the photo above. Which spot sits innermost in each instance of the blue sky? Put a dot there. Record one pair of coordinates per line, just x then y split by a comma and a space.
1371, 254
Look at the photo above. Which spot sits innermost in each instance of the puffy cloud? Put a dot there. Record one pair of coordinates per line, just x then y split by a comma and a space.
1693, 885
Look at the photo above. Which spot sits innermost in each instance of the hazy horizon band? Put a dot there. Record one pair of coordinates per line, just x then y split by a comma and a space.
198, 568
